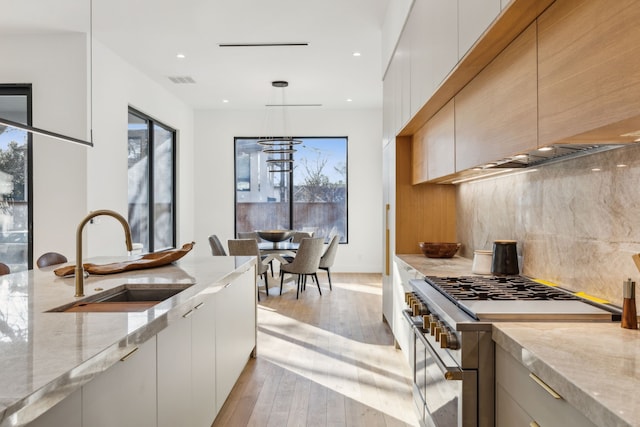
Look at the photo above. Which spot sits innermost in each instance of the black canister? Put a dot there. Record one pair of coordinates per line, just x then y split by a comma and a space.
505, 258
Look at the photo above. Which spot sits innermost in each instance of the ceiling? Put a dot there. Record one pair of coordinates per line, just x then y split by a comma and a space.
150, 33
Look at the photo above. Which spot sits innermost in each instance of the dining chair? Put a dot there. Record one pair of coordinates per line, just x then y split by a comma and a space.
216, 246
4, 269
254, 235
329, 256
299, 235
249, 247
50, 258
305, 263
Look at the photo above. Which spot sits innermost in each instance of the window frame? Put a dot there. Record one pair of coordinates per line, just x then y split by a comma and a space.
26, 89
291, 189
151, 123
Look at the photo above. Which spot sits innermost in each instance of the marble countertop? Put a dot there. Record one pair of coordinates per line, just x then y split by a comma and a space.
45, 356
594, 366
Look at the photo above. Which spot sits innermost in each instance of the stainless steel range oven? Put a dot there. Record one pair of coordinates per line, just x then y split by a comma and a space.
452, 353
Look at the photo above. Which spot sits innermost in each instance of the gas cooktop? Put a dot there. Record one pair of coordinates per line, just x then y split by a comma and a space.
497, 288
515, 298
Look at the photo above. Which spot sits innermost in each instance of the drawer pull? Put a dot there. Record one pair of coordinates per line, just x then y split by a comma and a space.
542, 384
534, 424
187, 314
128, 355
199, 305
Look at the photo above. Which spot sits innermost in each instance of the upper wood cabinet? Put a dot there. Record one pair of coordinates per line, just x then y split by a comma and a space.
496, 113
589, 70
433, 147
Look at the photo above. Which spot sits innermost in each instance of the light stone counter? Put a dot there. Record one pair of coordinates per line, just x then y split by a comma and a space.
456, 266
594, 366
45, 356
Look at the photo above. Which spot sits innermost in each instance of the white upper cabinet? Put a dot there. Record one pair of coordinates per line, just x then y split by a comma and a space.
432, 29
474, 17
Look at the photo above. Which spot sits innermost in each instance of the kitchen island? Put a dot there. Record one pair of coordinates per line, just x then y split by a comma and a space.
594, 367
48, 357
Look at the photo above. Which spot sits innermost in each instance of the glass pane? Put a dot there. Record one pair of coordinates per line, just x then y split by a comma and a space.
162, 188
262, 198
139, 180
320, 190
14, 206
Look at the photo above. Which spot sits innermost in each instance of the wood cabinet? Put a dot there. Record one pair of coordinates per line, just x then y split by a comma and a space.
125, 394
433, 147
496, 113
523, 398
589, 70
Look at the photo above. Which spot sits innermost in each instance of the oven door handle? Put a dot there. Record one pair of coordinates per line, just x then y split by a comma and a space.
451, 373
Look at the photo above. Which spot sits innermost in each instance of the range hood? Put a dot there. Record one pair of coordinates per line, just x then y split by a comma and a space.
531, 159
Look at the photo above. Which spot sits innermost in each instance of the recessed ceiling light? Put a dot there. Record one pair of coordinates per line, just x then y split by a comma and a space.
226, 101
621, 165
180, 56
520, 156
356, 54
596, 170
545, 148
349, 100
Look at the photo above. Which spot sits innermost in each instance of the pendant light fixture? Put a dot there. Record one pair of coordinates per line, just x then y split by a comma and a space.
278, 148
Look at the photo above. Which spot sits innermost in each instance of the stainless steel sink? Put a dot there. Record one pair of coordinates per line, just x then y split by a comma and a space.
124, 298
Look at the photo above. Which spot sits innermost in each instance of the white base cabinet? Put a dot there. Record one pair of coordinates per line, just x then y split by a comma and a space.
125, 394
235, 333
520, 400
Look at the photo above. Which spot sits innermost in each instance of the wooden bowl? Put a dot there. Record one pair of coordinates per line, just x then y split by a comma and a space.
439, 249
275, 235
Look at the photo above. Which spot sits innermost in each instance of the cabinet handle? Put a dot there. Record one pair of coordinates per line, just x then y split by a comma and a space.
187, 314
227, 285
198, 306
534, 424
542, 384
128, 355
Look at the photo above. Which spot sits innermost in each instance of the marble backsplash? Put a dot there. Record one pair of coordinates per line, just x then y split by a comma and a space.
577, 222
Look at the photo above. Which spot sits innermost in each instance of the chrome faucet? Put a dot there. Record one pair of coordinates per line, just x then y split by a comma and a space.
79, 267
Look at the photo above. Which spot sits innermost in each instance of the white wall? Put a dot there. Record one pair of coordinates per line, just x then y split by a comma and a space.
70, 180
116, 86
55, 65
214, 180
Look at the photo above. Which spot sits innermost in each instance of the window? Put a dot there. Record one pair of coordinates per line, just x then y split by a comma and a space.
152, 208
16, 202
312, 197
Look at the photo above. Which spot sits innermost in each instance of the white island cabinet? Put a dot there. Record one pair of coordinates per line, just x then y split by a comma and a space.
173, 364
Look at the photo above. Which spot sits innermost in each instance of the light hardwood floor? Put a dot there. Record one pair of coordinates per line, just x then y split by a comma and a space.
323, 361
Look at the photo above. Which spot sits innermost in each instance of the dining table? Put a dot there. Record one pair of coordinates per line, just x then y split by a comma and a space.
277, 251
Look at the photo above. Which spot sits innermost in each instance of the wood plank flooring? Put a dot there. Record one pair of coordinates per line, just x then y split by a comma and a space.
323, 361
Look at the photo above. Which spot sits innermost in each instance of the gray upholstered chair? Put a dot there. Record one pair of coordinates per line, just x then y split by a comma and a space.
329, 257
217, 249
249, 247
299, 235
305, 263
254, 235
50, 258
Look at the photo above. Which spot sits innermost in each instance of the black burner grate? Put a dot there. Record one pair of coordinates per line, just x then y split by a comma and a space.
496, 288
